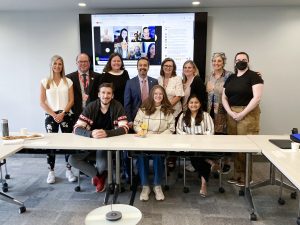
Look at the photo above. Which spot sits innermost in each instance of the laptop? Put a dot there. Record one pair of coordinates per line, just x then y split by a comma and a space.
281, 143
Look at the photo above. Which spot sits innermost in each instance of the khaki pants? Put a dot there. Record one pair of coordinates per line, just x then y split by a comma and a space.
248, 125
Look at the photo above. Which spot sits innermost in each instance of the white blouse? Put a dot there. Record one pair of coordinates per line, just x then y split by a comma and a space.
57, 96
173, 89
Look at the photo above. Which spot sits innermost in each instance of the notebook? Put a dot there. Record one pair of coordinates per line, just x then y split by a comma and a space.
281, 143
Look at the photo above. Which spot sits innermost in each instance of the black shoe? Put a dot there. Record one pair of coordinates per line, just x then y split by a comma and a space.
226, 169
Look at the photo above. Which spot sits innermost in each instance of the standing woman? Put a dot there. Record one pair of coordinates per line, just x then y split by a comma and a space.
57, 98
241, 97
193, 84
172, 84
155, 117
197, 122
214, 88
114, 72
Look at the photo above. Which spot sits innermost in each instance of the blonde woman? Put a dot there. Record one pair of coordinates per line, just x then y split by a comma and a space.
56, 99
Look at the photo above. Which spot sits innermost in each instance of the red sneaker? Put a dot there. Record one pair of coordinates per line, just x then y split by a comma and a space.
99, 182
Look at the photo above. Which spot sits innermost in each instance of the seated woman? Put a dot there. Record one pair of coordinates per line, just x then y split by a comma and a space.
155, 117
195, 121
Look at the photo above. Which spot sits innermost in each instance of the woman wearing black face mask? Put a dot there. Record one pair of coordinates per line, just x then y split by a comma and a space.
241, 96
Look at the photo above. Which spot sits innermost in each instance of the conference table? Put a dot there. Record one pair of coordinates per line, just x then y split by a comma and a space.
287, 161
152, 142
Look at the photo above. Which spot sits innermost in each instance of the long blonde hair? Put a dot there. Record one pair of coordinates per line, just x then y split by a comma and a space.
62, 73
196, 73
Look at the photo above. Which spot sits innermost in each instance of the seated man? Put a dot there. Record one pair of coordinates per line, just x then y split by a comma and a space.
104, 117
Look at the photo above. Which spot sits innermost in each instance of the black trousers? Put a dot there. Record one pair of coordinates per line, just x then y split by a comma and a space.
201, 166
66, 126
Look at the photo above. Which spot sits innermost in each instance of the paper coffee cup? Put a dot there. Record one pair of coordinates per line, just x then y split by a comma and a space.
23, 131
295, 145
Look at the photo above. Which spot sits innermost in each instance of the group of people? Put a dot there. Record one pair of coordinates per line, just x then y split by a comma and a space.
228, 103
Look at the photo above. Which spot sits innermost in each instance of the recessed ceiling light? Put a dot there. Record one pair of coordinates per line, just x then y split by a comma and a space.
196, 3
82, 4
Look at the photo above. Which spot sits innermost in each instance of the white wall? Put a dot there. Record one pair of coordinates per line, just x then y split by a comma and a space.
270, 36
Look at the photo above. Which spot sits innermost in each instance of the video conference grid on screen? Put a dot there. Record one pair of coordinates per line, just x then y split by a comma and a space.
156, 36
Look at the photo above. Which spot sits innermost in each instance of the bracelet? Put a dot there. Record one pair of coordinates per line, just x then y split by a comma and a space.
64, 111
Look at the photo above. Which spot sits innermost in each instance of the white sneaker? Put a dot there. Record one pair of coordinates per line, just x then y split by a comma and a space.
159, 195
190, 168
51, 177
144, 196
70, 175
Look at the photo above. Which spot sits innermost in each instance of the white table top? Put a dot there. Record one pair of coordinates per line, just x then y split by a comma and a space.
285, 160
130, 215
8, 150
154, 142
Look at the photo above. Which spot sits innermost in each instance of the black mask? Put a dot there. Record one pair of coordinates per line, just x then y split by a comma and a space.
241, 65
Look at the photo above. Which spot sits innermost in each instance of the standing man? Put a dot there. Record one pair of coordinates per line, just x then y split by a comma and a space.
85, 84
104, 117
137, 89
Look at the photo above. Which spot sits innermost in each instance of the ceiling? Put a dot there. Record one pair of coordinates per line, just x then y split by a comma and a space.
70, 5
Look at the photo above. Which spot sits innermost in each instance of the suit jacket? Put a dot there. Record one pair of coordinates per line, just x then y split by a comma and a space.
94, 82
132, 96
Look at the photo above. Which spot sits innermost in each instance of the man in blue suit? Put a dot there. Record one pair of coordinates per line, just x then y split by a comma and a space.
134, 95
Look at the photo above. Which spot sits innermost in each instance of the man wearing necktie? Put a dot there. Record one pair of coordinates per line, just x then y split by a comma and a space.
85, 84
137, 89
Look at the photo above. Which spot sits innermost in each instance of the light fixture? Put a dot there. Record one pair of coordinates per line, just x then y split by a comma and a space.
196, 3
82, 4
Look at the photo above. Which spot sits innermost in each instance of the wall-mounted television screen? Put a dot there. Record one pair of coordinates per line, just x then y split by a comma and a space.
181, 36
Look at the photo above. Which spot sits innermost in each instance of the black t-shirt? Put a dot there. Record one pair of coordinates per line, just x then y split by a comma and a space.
239, 89
119, 82
103, 121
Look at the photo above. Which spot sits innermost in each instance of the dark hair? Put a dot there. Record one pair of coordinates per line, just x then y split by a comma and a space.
148, 51
107, 85
108, 67
240, 53
188, 114
149, 105
120, 38
162, 73
142, 58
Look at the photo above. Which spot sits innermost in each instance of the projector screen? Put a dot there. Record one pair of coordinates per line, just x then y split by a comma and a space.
181, 36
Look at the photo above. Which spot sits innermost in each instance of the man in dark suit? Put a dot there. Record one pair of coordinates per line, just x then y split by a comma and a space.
85, 84
135, 91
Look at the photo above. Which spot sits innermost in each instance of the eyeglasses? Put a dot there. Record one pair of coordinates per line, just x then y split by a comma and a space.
168, 66
82, 62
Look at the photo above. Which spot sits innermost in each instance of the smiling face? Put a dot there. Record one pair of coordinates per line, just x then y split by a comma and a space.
168, 67
217, 63
158, 96
194, 105
106, 95
146, 33
188, 70
124, 34
143, 67
116, 63
83, 63
152, 51
57, 66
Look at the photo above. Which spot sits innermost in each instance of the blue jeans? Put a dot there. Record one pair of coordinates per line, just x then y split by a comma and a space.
143, 168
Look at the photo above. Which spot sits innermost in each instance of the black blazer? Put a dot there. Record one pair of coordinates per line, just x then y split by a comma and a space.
198, 88
94, 82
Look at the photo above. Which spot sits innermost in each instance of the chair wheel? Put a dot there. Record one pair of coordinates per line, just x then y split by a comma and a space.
22, 209
281, 201
166, 187
221, 190
5, 185
77, 189
294, 195
7, 176
253, 217
180, 175
186, 190
242, 193
5, 189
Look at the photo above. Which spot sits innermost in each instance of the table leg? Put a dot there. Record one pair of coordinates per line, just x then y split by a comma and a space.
109, 177
248, 194
117, 186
